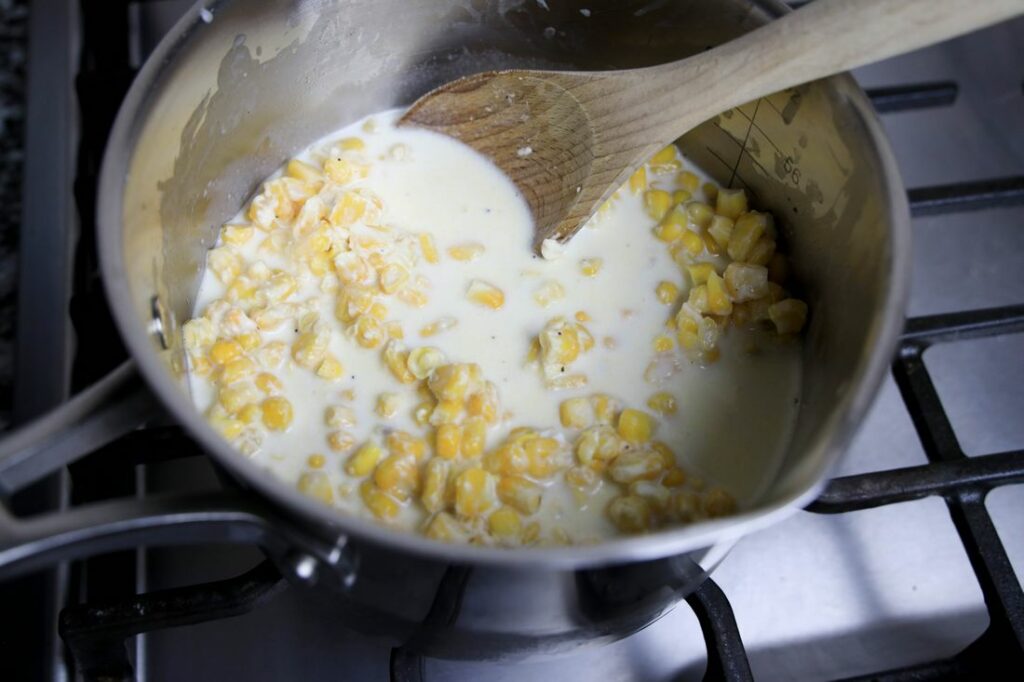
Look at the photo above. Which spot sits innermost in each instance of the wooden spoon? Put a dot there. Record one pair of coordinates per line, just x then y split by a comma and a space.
568, 140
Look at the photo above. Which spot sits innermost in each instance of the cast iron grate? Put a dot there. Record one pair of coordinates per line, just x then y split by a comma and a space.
96, 634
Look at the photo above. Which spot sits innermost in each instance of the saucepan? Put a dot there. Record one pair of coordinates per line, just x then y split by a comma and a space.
238, 86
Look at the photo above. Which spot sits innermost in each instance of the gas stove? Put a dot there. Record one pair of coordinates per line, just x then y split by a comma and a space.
907, 567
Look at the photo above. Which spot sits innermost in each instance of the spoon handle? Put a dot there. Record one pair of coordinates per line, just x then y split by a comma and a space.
821, 39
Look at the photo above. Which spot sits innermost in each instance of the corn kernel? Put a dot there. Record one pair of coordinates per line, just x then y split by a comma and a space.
662, 403
317, 485
364, 460
605, 408
638, 180
597, 445
761, 252
719, 302
236, 235
424, 360
413, 297
519, 493
445, 528
689, 181
310, 348
583, 482
316, 461
668, 458
466, 252
340, 441
700, 272
662, 343
438, 326
330, 368
747, 231
692, 242
576, 413
746, 282
352, 144
223, 351
474, 437
699, 298
789, 315
699, 214
435, 485
717, 502
368, 331
387, 405
673, 227
485, 294
452, 382
250, 413
342, 171
475, 492
631, 514
657, 203
377, 501
667, 292
398, 476
277, 413
666, 158
721, 230
674, 477
731, 203
548, 292
589, 267
396, 358
428, 248
268, 383
635, 426
393, 277
349, 208
505, 524
448, 440
446, 412
234, 398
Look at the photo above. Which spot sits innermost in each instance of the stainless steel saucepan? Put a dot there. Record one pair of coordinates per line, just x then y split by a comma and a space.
238, 86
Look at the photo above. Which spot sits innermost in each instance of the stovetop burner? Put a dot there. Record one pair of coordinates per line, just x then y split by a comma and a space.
107, 600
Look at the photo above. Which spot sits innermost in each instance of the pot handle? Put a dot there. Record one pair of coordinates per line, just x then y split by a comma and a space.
109, 409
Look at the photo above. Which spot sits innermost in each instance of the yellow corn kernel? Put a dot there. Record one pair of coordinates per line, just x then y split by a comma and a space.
582, 316
662, 343
475, 492
474, 437
657, 203
717, 502
268, 383
199, 366
446, 412
576, 413
421, 413
597, 445
238, 370
589, 267
236, 235
663, 403
225, 264
407, 445
746, 282
719, 302
428, 247
689, 181
484, 403
548, 292
667, 292
235, 397
378, 311
438, 326
424, 360
638, 180
303, 171
368, 331
485, 294
631, 514
364, 460
789, 315
277, 413
505, 524
316, 484
445, 528
466, 252
672, 227
634, 465
681, 196
316, 461
223, 352
393, 277
198, 332
674, 477
731, 203
668, 457
228, 427
394, 330
249, 341
352, 144
435, 485
721, 230
448, 440
353, 302
452, 382
398, 476
665, 157
699, 298
520, 493
508, 459
249, 413
583, 482
273, 354
748, 229
349, 208
700, 272
330, 368
699, 213
310, 348
413, 297
387, 405
377, 501
635, 426
692, 242
605, 408
342, 171
340, 441
710, 190
396, 358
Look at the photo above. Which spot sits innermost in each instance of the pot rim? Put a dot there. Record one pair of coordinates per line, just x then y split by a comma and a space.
829, 444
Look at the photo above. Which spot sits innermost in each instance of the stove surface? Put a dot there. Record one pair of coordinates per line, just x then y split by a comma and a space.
816, 596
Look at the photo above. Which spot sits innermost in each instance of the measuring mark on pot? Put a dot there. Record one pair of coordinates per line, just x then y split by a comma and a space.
156, 322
